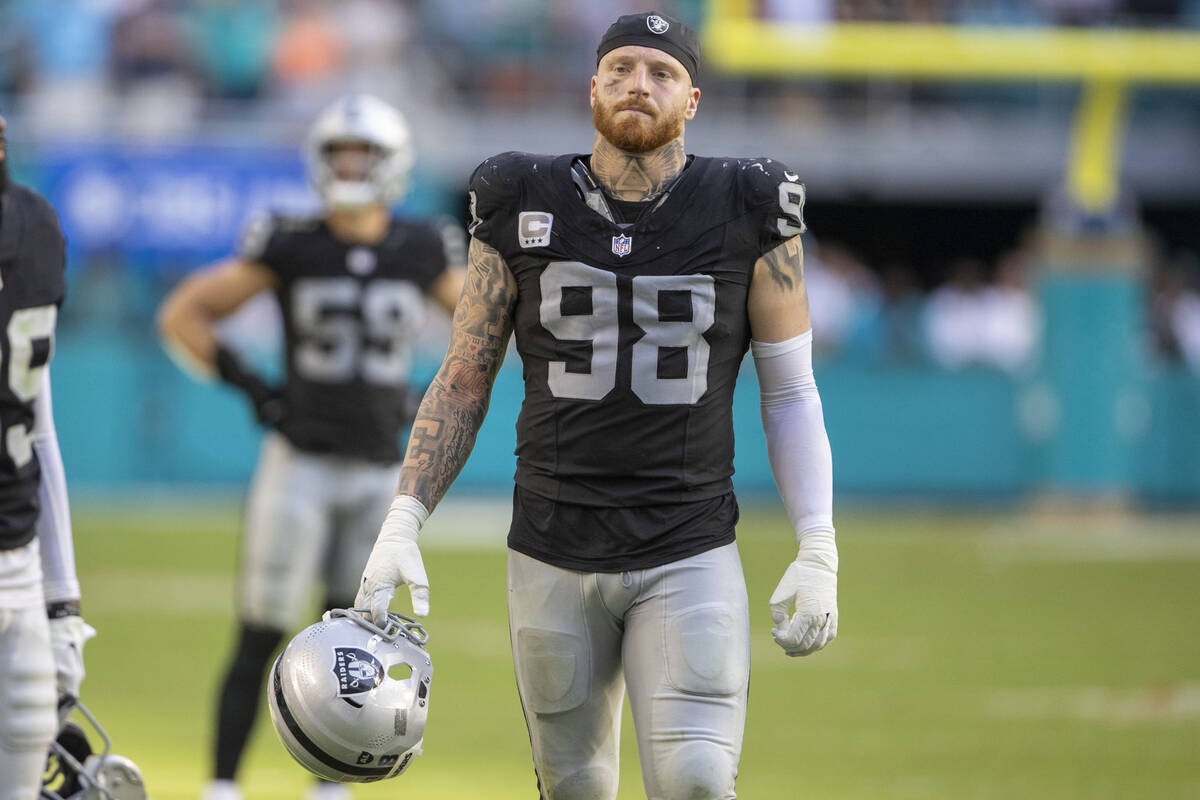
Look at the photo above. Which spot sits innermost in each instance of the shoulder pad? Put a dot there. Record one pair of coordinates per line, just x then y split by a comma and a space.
499, 178
760, 179
496, 186
256, 234
38, 208
454, 243
263, 227
505, 169
770, 184
288, 224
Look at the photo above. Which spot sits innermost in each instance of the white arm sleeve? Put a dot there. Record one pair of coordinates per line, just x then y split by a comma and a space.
797, 445
54, 520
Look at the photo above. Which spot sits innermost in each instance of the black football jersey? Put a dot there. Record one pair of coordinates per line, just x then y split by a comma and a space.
632, 336
349, 313
32, 283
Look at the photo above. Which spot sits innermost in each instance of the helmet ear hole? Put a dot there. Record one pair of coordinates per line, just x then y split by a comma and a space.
333, 706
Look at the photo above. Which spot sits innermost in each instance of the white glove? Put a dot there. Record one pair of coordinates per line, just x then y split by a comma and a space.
396, 560
810, 586
67, 636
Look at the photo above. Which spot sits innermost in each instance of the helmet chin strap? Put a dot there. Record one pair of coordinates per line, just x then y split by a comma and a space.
351, 195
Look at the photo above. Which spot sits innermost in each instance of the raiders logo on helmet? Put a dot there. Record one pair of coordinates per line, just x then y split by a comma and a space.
336, 700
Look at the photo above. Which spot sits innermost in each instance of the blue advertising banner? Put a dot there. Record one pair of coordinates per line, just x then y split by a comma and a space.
159, 203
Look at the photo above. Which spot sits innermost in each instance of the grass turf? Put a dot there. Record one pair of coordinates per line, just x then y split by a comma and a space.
979, 656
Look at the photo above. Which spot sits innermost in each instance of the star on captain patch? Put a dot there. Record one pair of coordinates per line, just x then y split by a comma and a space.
622, 245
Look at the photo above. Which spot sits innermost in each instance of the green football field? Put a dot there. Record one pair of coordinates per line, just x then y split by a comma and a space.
980, 656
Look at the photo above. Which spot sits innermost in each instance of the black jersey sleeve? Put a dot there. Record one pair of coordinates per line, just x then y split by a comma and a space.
49, 234
39, 226
439, 245
262, 241
775, 195
454, 242
495, 190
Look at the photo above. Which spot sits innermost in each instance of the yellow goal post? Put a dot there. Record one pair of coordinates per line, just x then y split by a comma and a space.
1105, 61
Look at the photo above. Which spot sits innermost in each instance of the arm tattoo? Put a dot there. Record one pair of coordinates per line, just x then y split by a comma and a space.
457, 401
636, 176
785, 265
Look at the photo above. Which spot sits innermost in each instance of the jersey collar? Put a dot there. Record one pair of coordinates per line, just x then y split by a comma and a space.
574, 182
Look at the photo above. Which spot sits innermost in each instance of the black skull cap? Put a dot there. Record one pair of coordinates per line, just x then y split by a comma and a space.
650, 29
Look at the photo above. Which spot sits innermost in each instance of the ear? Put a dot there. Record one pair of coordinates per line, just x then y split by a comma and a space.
592, 93
692, 104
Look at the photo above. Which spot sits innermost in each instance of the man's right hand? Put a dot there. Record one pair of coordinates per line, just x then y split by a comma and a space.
269, 408
396, 560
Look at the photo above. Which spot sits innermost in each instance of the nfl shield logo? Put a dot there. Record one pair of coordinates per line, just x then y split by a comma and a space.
622, 245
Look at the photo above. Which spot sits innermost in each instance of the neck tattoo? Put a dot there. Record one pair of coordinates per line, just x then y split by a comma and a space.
636, 176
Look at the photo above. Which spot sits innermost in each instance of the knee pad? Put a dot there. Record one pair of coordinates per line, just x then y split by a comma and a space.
590, 783
554, 670
708, 651
697, 770
28, 718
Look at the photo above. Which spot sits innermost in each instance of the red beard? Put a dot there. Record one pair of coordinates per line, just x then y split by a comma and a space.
635, 133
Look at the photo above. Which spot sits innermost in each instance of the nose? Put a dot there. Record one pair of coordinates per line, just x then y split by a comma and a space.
639, 83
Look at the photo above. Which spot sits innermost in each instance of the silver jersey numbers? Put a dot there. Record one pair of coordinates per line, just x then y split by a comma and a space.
346, 329
673, 330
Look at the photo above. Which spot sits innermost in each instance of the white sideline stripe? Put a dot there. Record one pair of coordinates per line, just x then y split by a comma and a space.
120, 591
1179, 701
1128, 545
468, 523
462, 523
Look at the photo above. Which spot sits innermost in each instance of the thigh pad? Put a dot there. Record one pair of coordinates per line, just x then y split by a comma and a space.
707, 650
554, 670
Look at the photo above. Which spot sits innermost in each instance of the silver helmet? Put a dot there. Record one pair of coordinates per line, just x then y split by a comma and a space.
75, 772
349, 699
360, 119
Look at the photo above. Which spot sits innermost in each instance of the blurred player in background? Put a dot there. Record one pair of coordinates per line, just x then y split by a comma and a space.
635, 279
41, 632
351, 285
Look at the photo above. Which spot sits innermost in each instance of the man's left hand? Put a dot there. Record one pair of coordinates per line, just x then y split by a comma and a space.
808, 590
67, 637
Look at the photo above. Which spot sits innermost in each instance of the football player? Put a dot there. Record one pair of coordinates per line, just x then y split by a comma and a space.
41, 632
635, 279
351, 285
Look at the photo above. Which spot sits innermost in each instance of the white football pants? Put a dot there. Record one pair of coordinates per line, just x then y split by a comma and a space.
28, 717
308, 517
677, 636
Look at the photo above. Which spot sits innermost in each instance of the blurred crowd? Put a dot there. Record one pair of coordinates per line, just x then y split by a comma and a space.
168, 62
169, 65
69, 57
1174, 313
981, 315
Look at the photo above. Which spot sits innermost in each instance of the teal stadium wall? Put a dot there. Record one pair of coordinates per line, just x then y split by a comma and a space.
1096, 415
127, 417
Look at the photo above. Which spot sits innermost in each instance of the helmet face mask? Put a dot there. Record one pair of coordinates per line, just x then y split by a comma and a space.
75, 772
365, 123
349, 700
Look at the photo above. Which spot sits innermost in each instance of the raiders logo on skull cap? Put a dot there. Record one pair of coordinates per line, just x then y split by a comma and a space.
654, 30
